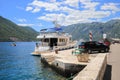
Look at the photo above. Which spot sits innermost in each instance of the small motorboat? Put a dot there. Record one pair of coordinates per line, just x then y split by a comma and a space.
13, 44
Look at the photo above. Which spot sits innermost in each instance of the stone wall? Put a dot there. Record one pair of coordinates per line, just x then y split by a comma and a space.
95, 70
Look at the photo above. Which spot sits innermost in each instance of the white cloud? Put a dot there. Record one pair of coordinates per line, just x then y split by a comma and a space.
30, 25
72, 3
29, 8
75, 16
88, 4
70, 12
52, 0
25, 24
95, 14
36, 10
22, 20
40, 4
111, 6
52, 17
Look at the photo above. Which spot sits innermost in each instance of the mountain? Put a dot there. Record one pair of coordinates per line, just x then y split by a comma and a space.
9, 31
81, 30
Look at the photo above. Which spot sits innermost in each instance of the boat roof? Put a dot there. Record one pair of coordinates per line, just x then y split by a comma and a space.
55, 29
53, 35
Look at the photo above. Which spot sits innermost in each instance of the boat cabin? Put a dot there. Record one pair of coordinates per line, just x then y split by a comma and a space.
52, 39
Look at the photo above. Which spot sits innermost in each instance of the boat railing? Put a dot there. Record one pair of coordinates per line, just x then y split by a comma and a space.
53, 34
42, 44
67, 46
61, 43
42, 48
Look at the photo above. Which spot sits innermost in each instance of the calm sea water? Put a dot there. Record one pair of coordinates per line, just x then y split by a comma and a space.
16, 63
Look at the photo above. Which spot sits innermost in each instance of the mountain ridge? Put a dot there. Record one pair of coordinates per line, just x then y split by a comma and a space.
9, 31
81, 30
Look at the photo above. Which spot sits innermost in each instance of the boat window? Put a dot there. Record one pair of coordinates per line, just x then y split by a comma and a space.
62, 40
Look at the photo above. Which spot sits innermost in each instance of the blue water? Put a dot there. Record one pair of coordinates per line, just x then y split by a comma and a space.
16, 63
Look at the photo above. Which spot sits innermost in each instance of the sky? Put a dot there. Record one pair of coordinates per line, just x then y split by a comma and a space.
40, 14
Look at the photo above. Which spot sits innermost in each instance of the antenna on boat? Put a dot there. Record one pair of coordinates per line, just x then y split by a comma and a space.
56, 24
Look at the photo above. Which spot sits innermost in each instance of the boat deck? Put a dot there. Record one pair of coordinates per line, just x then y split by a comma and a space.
38, 51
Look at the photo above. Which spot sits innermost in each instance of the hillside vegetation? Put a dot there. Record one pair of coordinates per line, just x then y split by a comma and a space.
9, 31
81, 30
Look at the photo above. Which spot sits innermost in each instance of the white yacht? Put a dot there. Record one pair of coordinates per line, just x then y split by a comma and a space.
53, 39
